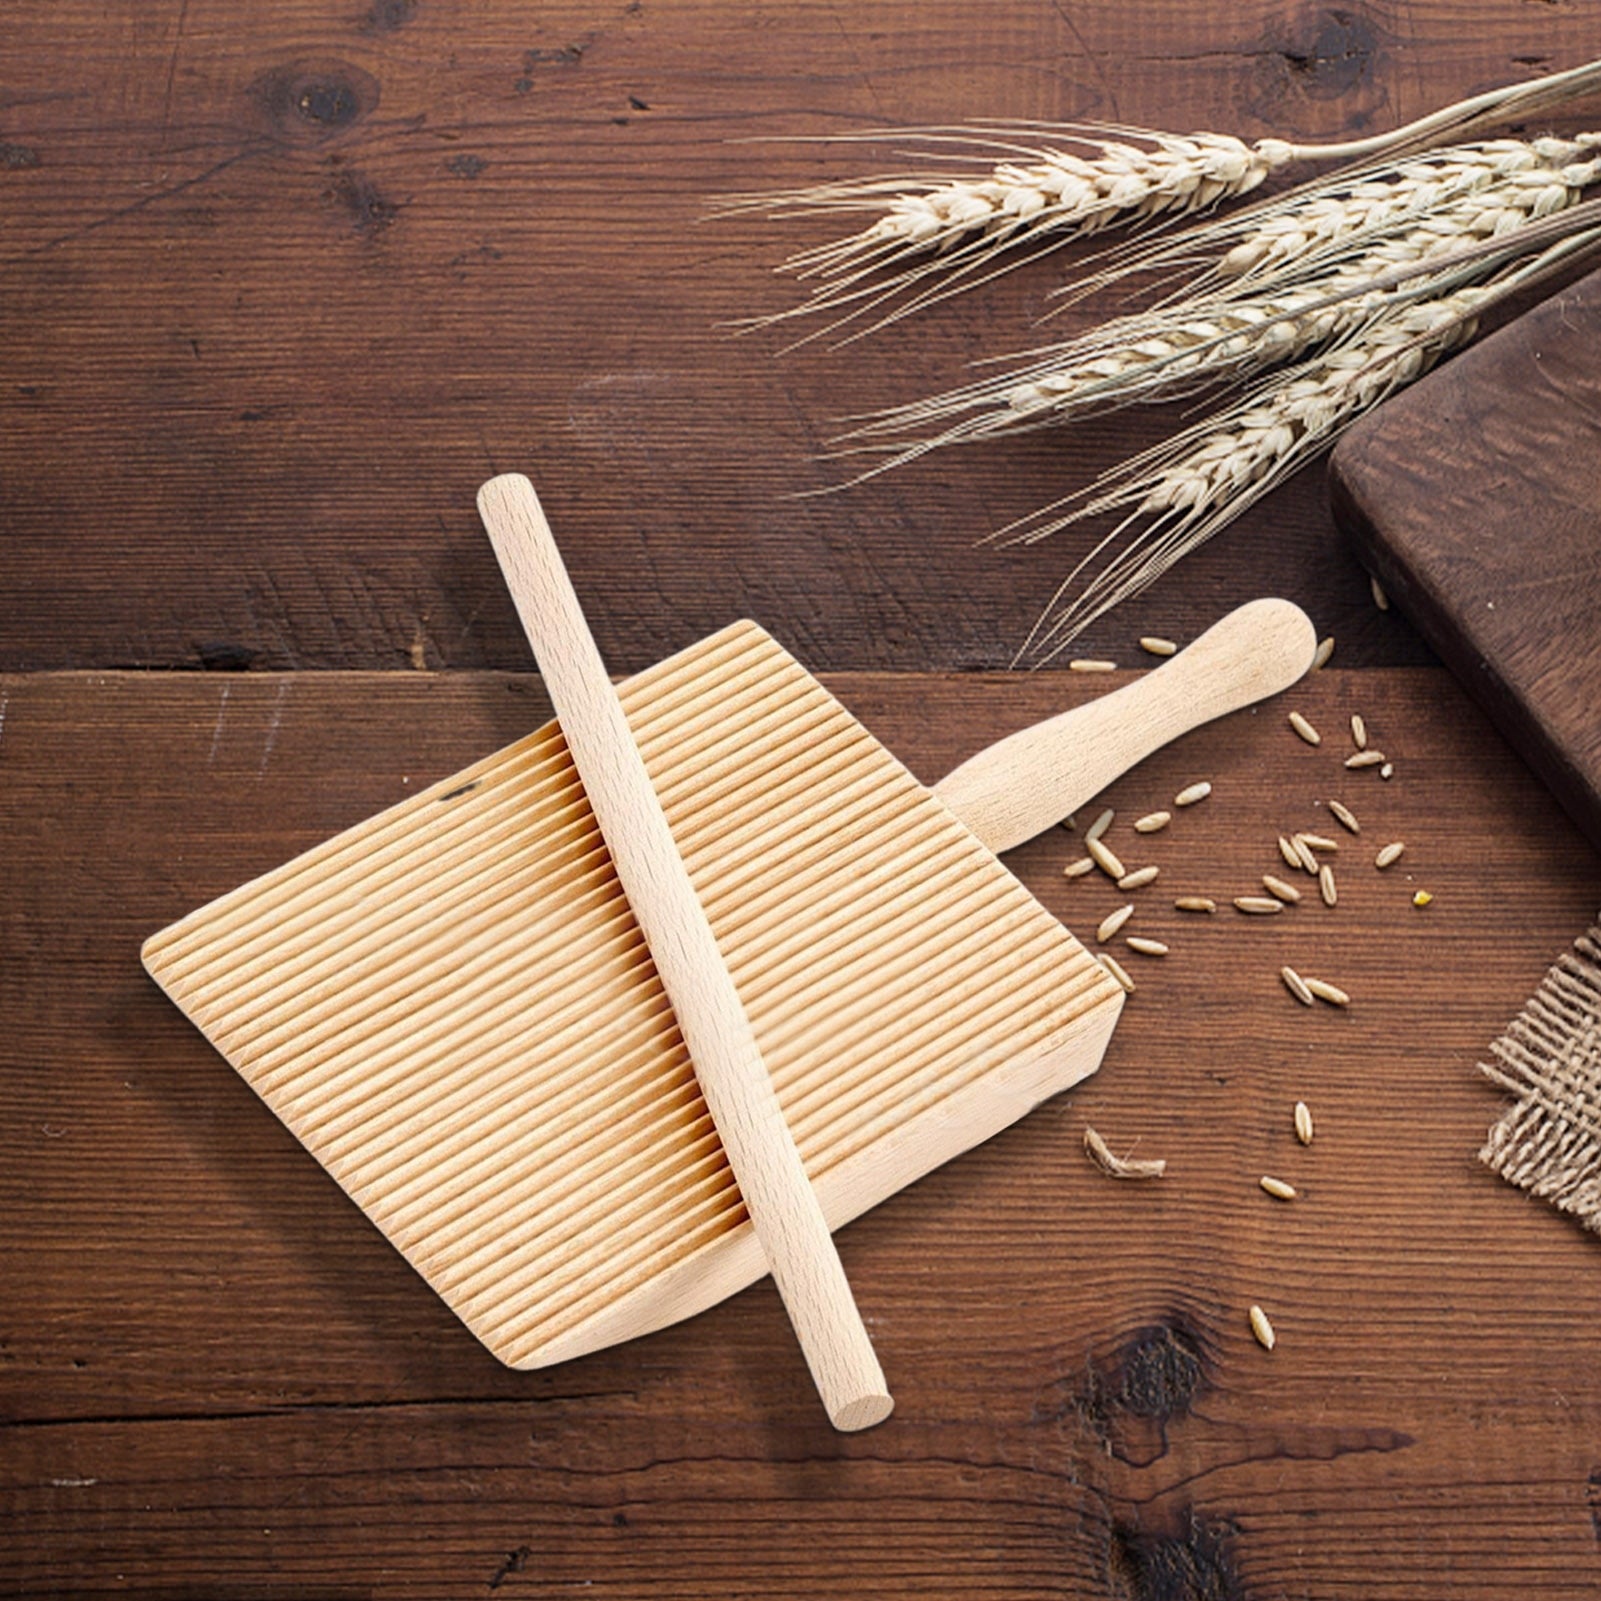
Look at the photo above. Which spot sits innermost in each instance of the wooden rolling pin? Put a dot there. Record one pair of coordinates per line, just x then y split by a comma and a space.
783, 1208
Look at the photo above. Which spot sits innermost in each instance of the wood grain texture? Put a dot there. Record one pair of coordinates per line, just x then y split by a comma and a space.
215, 1379
1475, 498
296, 278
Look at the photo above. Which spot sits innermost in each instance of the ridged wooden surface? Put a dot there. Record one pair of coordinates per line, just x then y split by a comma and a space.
452, 1007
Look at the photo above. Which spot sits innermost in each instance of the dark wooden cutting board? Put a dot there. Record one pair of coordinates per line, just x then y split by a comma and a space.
1475, 498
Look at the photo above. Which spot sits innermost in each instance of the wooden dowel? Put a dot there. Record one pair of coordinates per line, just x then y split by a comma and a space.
739, 1093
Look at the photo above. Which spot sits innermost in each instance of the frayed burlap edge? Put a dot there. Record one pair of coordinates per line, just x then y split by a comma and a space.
1550, 1058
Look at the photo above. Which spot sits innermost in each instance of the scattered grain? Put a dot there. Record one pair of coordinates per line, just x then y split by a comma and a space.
1277, 1188
1194, 903
1303, 854
1112, 922
1296, 985
1305, 729
1085, 864
1380, 599
1325, 885
1421, 897
1258, 905
1120, 1167
1100, 825
1332, 993
1138, 879
1303, 1122
1277, 886
1070, 822
1325, 650
1390, 853
1157, 646
1106, 859
1146, 947
1387, 771
1344, 816
1292, 857
1359, 731
1262, 1329
1319, 842
1153, 822
1083, 664
1366, 758
1116, 969
1192, 793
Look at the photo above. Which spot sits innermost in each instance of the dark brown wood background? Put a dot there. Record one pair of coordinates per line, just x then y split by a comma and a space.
279, 285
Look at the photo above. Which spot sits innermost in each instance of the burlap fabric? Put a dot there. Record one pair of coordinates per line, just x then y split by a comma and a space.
1550, 1058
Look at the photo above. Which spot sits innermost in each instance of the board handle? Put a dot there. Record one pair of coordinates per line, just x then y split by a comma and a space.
738, 1090
1018, 787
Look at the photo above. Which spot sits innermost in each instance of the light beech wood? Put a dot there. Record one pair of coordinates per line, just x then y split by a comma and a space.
452, 1007
1014, 789
790, 1227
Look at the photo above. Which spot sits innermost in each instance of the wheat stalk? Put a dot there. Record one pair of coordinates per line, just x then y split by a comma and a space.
1176, 495
1037, 191
1257, 318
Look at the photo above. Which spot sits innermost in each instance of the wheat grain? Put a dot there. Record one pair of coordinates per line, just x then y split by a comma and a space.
1194, 903
1325, 652
1192, 793
1389, 853
1296, 985
1121, 1167
1305, 729
1146, 947
1303, 855
1325, 884
1262, 1329
1116, 969
1359, 731
1303, 1122
1277, 1188
1085, 864
1084, 664
1139, 878
1325, 991
1318, 842
1292, 857
1258, 905
1380, 599
1152, 822
1344, 816
1277, 887
1112, 922
1156, 646
1366, 758
1100, 825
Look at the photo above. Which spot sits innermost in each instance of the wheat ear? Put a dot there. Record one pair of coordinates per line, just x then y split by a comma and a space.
937, 234
1178, 494
1240, 328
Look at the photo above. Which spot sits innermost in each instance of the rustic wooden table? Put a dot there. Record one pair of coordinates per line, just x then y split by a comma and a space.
278, 287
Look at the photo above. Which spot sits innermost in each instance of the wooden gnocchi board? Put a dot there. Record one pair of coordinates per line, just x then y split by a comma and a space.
451, 1006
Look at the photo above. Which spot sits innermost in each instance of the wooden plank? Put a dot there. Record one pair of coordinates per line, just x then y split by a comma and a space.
296, 279
215, 1377
1475, 499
